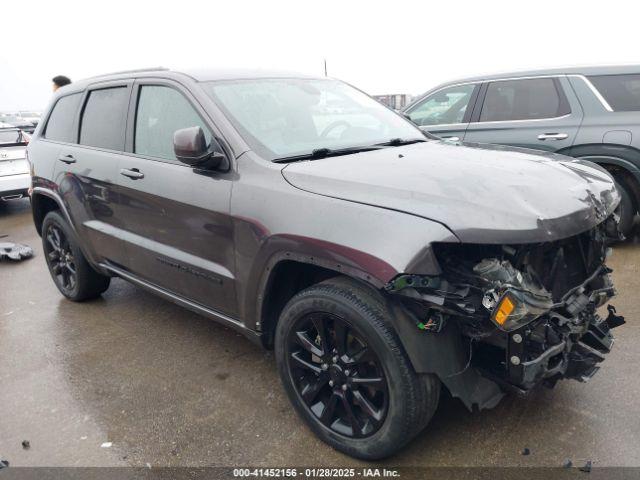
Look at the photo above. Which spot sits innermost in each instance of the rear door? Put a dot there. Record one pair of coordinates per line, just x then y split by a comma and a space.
87, 169
540, 113
177, 218
445, 112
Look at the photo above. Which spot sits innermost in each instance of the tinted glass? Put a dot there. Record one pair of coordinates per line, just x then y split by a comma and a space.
446, 106
162, 111
60, 124
622, 92
287, 117
104, 117
523, 100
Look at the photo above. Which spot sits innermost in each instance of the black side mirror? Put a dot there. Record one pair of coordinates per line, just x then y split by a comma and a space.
190, 147
407, 116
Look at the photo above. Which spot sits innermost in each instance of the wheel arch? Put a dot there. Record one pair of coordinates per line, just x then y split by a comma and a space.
44, 201
622, 162
288, 273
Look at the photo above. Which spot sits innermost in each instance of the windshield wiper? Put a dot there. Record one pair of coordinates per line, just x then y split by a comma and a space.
326, 152
397, 142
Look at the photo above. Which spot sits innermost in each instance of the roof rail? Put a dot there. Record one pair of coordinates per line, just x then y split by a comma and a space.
137, 70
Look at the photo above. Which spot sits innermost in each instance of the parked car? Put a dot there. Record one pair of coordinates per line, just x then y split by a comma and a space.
18, 122
30, 116
15, 179
377, 262
586, 112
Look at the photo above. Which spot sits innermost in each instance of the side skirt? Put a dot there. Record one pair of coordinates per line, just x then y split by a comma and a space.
219, 317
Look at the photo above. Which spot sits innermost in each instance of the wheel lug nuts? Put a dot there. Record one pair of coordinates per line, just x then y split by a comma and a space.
335, 359
324, 366
347, 372
344, 387
331, 383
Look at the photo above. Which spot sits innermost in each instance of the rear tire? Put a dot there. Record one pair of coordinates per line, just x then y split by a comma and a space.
379, 402
69, 269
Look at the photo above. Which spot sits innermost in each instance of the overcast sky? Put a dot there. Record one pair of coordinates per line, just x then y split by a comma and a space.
383, 47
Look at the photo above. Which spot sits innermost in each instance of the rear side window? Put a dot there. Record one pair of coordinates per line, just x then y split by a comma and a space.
524, 100
104, 118
60, 124
162, 111
622, 92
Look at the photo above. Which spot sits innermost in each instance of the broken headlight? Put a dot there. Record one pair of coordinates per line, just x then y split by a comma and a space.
516, 309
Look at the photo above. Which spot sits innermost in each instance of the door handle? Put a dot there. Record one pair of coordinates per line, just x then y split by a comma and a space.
451, 139
133, 174
553, 136
68, 159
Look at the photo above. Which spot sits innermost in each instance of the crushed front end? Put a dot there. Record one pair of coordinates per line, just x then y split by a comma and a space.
527, 314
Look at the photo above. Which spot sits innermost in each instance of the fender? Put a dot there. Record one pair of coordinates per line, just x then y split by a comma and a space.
53, 195
340, 259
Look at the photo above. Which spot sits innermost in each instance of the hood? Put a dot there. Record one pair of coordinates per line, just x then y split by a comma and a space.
482, 193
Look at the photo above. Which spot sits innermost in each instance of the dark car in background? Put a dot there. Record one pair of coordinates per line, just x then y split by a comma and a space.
378, 263
585, 112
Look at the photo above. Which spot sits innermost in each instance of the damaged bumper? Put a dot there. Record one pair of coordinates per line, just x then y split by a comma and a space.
526, 315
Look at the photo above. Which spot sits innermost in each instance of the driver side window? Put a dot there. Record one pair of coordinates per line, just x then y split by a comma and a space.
161, 111
443, 107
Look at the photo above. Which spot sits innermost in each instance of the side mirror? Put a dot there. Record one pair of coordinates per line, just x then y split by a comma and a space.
190, 147
407, 116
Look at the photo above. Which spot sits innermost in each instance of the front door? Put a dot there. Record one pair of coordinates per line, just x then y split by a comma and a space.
446, 112
177, 219
539, 113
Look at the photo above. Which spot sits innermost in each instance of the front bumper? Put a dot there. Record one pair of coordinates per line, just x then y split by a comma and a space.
581, 343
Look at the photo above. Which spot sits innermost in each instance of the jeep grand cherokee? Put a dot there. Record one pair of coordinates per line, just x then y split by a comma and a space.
380, 264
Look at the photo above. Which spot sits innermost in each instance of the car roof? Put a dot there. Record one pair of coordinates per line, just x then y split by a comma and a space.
583, 70
198, 75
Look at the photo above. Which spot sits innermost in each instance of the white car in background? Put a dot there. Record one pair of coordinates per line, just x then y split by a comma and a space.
15, 177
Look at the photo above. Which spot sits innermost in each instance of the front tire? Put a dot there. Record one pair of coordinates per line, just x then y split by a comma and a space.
346, 373
69, 269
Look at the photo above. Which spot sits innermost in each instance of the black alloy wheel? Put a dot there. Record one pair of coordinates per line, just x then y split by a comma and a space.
60, 258
71, 272
337, 375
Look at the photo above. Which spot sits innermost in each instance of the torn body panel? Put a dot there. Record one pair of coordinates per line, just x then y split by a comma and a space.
522, 314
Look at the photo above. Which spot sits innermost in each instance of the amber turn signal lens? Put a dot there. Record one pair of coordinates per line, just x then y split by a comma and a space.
504, 310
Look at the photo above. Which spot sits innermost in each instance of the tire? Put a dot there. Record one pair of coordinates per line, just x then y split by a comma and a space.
68, 267
627, 211
381, 402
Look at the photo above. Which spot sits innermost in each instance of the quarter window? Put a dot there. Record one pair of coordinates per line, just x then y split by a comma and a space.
523, 100
445, 106
60, 124
104, 118
622, 92
162, 111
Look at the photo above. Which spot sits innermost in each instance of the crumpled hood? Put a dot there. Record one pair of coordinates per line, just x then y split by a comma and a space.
482, 193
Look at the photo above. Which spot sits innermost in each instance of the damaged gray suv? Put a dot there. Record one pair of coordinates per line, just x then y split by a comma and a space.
380, 264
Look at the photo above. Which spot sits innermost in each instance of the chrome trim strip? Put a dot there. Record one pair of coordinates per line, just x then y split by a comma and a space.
464, 125
193, 306
595, 91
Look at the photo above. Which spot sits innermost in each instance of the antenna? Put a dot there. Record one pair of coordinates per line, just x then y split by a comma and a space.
325, 67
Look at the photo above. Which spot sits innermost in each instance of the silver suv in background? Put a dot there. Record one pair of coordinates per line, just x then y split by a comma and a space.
589, 112
15, 179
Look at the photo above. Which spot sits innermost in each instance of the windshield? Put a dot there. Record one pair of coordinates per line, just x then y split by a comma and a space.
282, 118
